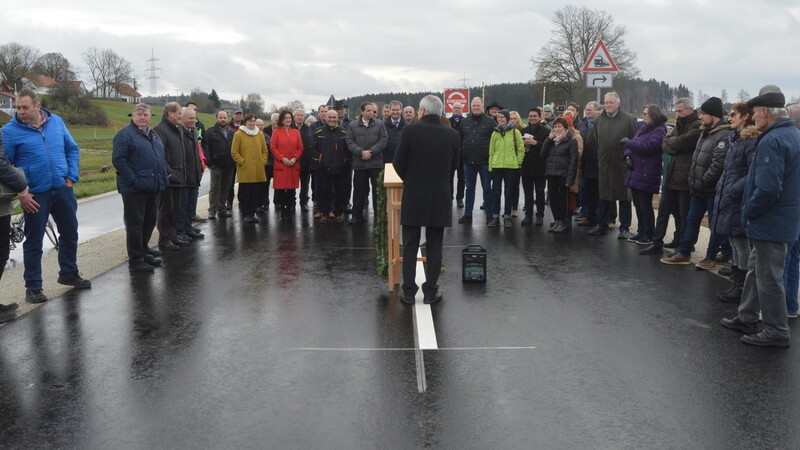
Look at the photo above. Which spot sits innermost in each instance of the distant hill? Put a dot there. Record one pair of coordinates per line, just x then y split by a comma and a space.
117, 113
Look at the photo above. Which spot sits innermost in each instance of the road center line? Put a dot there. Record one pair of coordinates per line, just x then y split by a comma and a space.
425, 333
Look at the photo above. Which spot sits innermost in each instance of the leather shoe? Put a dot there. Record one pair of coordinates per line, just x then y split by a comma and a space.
35, 296
140, 266
673, 244
459, 203
155, 262
180, 240
652, 249
465, 219
762, 340
76, 281
154, 252
169, 247
435, 298
8, 309
738, 325
407, 299
195, 235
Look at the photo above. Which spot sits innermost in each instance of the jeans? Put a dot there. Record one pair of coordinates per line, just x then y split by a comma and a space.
675, 203
606, 211
503, 178
62, 205
698, 206
188, 209
592, 195
741, 252
643, 201
471, 172
791, 276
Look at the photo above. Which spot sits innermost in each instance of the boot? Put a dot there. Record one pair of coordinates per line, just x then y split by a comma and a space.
528, 219
734, 294
560, 227
568, 222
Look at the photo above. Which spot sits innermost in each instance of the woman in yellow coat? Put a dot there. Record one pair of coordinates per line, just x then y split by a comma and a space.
249, 151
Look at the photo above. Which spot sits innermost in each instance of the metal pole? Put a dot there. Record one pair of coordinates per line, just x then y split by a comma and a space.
598, 96
544, 94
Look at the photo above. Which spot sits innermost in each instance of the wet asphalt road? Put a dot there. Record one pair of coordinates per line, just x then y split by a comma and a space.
280, 335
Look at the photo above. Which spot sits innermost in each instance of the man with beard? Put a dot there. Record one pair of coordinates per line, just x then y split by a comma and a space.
217, 148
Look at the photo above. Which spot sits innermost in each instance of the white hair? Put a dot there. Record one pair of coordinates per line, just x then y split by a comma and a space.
611, 94
432, 105
777, 113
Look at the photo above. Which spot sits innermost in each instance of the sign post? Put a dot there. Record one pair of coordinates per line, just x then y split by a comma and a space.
452, 96
600, 68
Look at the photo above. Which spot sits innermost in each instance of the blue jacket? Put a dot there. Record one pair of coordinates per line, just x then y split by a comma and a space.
770, 204
727, 220
48, 155
140, 161
393, 133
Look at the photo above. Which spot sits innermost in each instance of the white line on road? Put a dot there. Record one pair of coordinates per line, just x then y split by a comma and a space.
403, 349
425, 333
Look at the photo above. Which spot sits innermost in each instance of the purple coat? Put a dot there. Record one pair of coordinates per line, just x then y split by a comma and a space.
645, 151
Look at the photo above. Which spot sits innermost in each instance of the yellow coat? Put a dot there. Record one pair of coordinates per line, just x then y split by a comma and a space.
250, 155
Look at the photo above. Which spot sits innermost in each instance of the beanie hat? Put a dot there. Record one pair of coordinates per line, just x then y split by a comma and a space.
505, 113
548, 108
712, 107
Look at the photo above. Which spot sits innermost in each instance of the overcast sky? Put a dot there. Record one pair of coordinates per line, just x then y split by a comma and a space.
308, 50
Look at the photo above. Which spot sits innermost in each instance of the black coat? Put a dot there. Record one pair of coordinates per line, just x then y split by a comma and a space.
533, 164
328, 150
217, 147
727, 220
425, 159
394, 138
172, 137
194, 165
680, 145
561, 160
588, 163
476, 134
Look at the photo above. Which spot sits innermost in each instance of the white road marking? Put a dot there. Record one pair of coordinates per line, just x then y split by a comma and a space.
403, 349
424, 331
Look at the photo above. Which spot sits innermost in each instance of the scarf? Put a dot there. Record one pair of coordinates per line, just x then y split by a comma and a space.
250, 132
561, 137
502, 130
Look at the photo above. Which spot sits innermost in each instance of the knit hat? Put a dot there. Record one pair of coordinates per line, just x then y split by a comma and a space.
548, 108
712, 107
768, 100
505, 113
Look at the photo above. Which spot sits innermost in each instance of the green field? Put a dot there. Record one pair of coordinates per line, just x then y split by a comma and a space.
96, 145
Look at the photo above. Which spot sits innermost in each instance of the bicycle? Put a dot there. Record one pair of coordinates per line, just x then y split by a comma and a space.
17, 234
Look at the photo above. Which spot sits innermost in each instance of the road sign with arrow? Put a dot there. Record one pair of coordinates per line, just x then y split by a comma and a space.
599, 80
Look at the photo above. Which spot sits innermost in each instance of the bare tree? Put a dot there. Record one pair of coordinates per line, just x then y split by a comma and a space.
743, 96
55, 66
294, 105
577, 30
253, 103
107, 69
16, 62
724, 96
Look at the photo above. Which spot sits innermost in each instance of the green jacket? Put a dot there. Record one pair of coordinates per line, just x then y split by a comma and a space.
506, 149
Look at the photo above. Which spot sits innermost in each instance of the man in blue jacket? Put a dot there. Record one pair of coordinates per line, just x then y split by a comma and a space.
141, 167
771, 216
38, 141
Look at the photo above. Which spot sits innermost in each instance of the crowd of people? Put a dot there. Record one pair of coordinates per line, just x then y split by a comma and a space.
738, 168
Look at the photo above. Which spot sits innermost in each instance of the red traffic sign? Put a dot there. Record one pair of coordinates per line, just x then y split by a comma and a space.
452, 96
600, 60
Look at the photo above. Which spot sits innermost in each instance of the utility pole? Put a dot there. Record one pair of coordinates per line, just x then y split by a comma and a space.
151, 73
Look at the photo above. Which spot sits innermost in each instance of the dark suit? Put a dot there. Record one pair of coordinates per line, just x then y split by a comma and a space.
427, 154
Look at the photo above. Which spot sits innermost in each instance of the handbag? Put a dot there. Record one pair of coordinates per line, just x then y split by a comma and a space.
6, 193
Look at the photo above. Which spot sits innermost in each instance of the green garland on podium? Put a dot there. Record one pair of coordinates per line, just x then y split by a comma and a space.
381, 235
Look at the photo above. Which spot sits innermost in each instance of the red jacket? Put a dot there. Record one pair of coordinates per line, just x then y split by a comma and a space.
286, 143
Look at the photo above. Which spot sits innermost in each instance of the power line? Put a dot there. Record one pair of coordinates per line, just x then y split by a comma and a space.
151, 73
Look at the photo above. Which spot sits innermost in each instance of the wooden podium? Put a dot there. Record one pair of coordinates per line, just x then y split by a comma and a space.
394, 198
